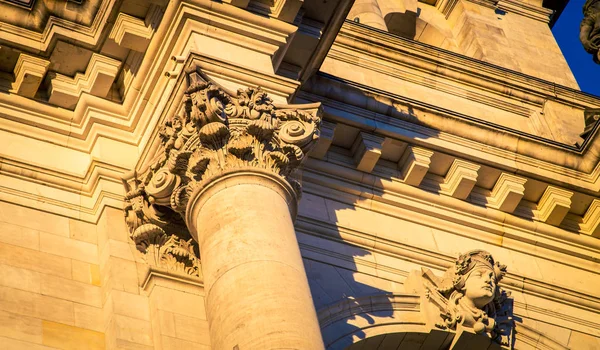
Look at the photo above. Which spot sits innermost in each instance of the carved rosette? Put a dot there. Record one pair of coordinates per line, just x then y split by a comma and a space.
214, 132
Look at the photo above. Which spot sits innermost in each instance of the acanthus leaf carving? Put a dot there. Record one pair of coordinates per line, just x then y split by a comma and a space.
158, 232
213, 131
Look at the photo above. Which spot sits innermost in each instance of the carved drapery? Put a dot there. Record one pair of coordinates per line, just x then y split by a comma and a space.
213, 132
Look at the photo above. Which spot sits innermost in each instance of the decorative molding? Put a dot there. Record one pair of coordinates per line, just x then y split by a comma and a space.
590, 224
516, 282
534, 157
554, 205
29, 73
324, 142
284, 10
460, 217
366, 151
133, 33
507, 192
156, 276
536, 339
97, 80
522, 8
460, 179
414, 164
47, 29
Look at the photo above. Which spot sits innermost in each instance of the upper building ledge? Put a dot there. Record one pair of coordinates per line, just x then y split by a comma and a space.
458, 83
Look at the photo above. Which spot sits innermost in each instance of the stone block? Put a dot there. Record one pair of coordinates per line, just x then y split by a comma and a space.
19, 236
34, 219
170, 343
88, 317
133, 330
554, 205
178, 302
366, 151
460, 179
29, 73
192, 329
69, 337
19, 278
83, 231
322, 145
13, 344
123, 275
71, 290
64, 91
34, 260
582, 341
167, 323
131, 305
82, 271
36, 305
20, 327
70, 248
133, 33
591, 219
122, 250
112, 226
414, 164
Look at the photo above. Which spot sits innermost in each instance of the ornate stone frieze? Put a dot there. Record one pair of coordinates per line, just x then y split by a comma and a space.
214, 132
589, 30
467, 297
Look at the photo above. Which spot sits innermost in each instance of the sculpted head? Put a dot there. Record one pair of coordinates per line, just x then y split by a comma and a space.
477, 276
471, 286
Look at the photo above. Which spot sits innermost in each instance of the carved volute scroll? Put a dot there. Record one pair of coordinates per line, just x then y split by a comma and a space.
213, 132
468, 297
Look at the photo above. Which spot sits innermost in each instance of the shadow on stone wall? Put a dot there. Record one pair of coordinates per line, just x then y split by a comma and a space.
351, 292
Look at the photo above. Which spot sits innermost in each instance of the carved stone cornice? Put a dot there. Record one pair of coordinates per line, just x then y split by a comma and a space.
213, 133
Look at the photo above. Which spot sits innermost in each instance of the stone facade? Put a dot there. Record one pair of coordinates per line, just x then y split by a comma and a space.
249, 174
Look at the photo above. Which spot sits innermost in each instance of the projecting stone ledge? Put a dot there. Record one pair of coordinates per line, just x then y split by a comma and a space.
414, 164
460, 180
97, 80
29, 73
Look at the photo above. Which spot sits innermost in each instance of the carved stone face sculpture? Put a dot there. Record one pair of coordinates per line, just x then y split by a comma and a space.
589, 31
471, 288
480, 286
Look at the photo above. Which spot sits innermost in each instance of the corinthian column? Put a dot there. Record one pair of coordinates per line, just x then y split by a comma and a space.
227, 170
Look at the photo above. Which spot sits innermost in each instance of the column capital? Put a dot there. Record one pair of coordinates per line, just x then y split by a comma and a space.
216, 133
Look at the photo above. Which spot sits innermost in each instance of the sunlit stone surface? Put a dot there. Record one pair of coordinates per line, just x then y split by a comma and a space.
252, 174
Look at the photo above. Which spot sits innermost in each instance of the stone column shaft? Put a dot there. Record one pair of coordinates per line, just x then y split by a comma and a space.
257, 293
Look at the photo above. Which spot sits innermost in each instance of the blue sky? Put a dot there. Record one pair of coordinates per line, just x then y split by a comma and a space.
566, 32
